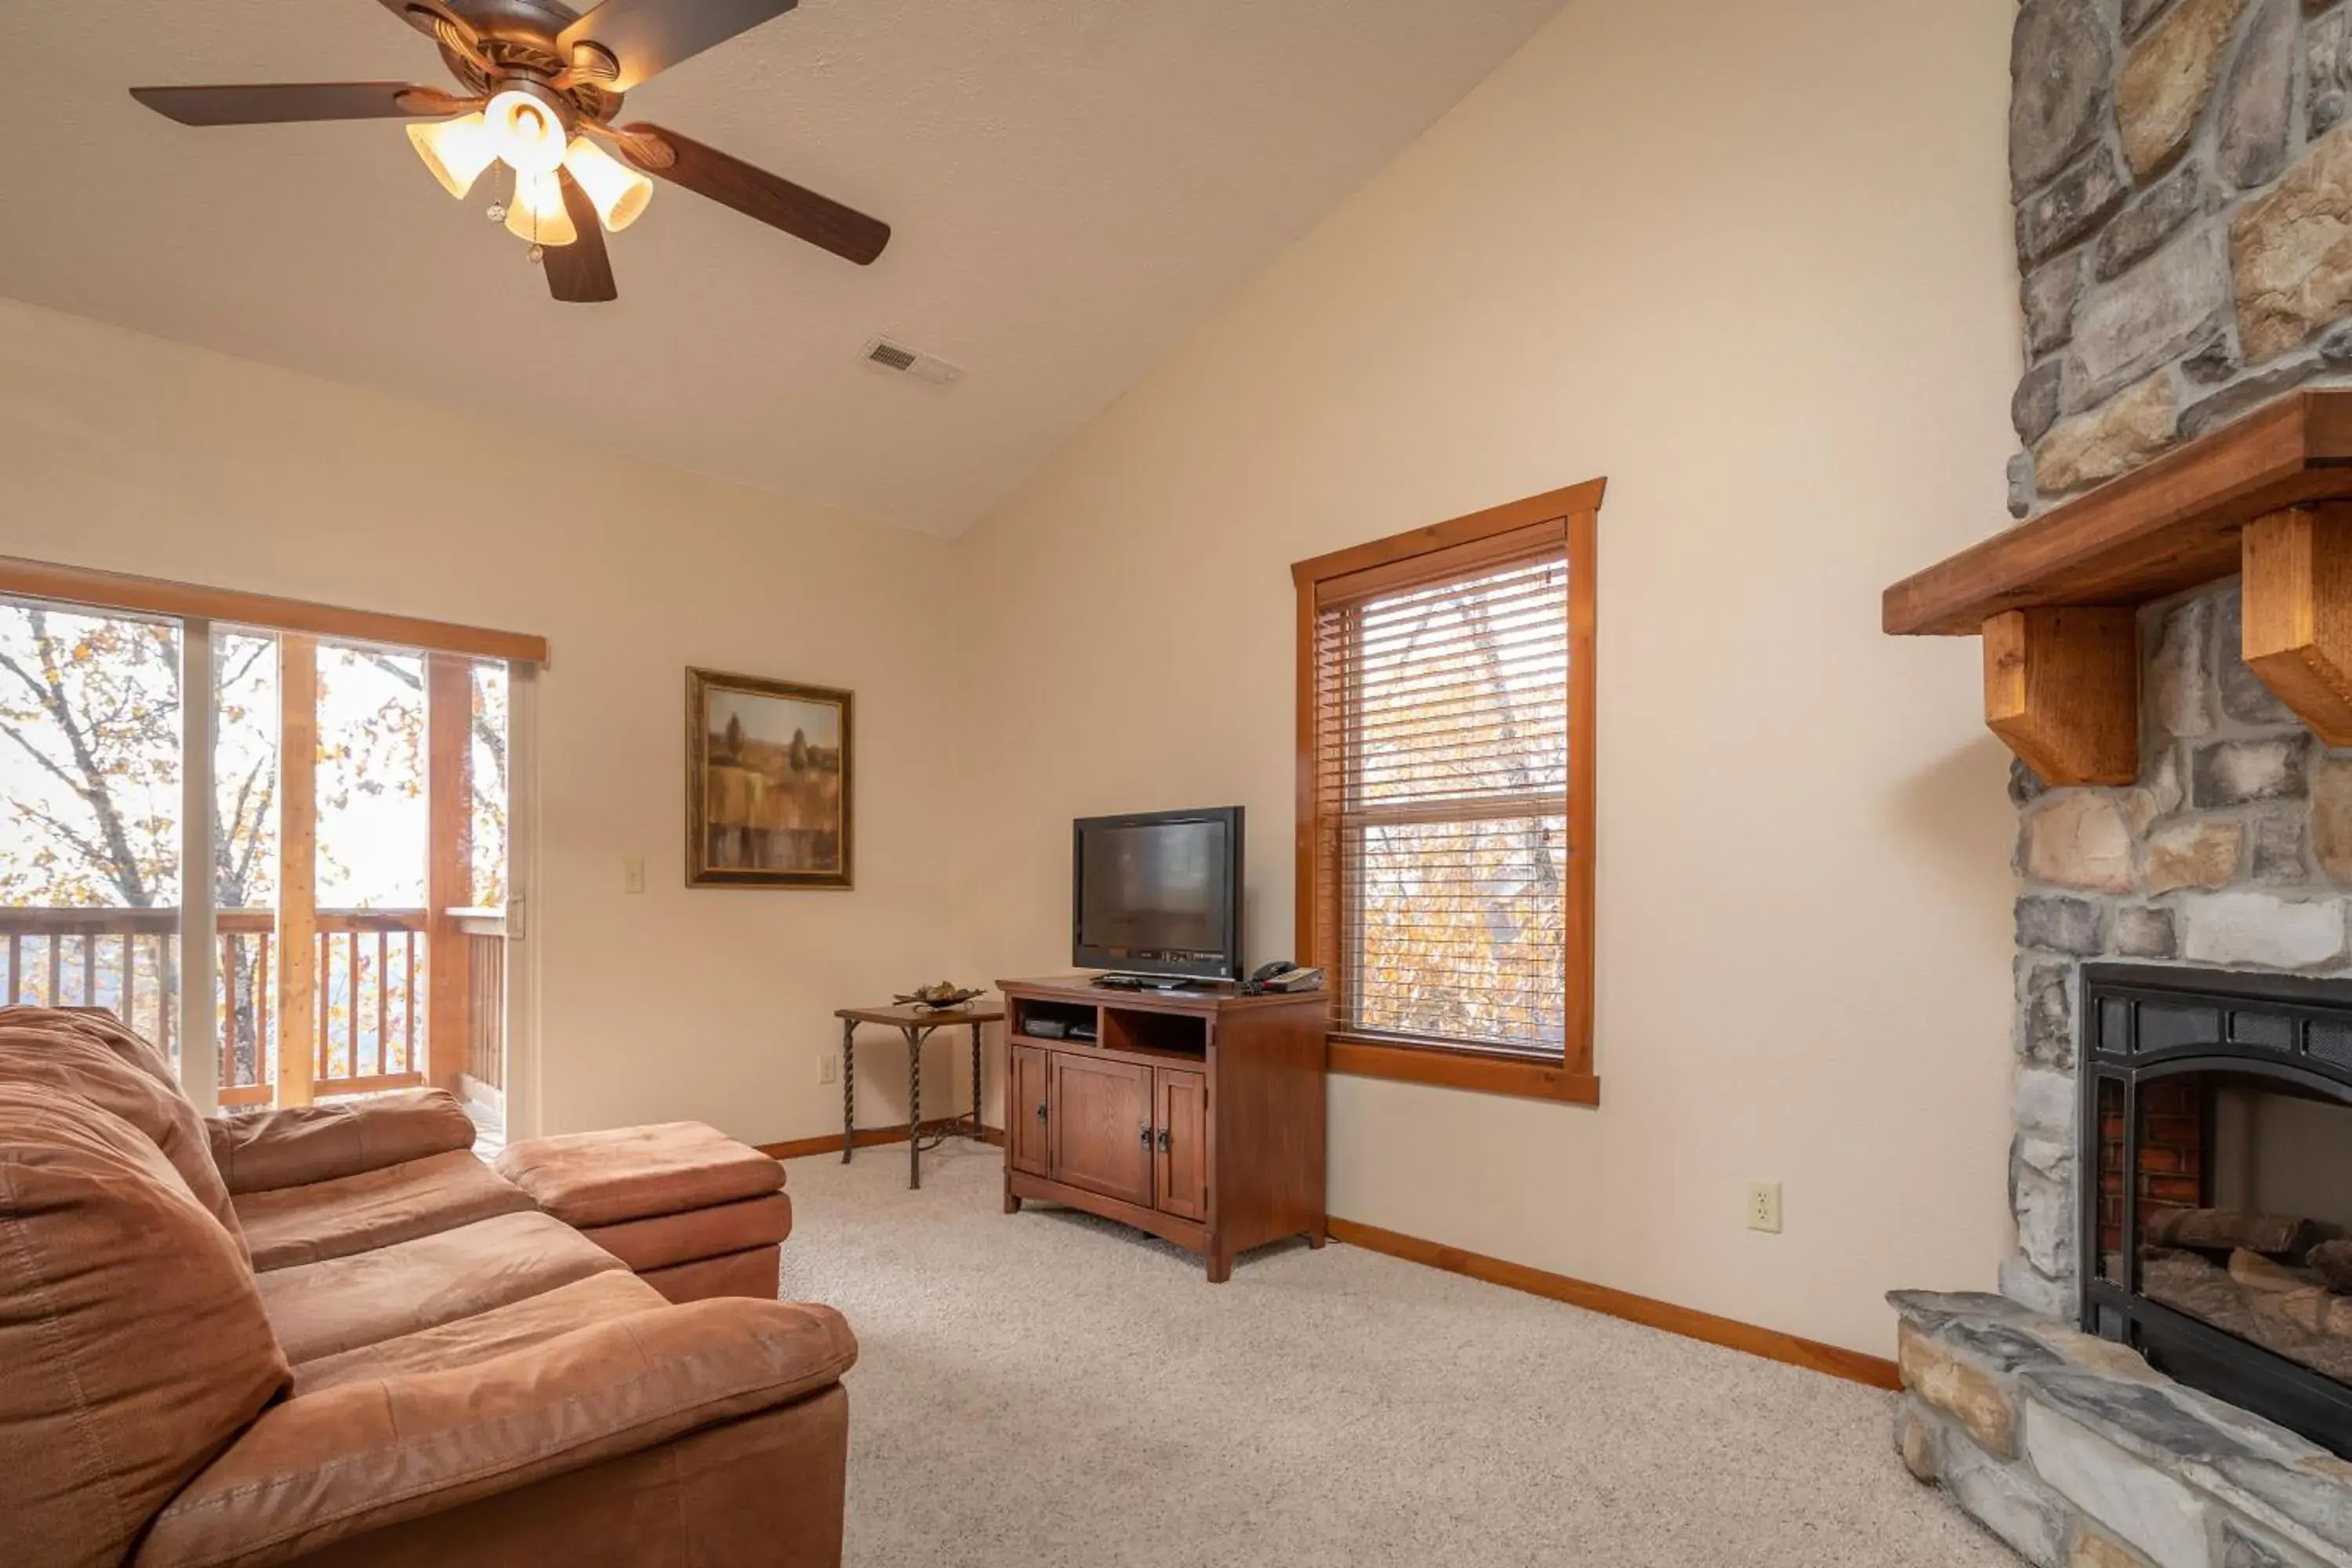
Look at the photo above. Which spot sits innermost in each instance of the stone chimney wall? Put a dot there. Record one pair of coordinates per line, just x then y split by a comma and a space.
2182, 171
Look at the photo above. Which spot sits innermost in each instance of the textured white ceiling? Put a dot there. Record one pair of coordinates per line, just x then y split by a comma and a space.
1075, 185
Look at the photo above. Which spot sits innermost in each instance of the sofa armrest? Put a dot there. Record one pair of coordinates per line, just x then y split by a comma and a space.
325, 1467
260, 1150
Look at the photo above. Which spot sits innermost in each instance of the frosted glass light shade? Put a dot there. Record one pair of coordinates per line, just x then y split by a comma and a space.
456, 151
525, 131
620, 193
537, 212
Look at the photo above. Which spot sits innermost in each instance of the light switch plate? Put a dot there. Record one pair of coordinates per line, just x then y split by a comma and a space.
633, 874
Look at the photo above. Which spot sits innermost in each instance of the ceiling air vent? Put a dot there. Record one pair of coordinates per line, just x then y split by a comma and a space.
900, 360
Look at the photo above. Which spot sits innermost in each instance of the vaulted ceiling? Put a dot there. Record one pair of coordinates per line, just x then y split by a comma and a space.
1075, 185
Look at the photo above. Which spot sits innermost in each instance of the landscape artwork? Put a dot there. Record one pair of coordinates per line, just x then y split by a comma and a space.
768, 783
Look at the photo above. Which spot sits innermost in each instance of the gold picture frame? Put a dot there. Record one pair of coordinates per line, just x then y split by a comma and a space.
769, 777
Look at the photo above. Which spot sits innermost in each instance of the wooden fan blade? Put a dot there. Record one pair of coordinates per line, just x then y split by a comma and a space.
288, 103
579, 273
649, 35
755, 193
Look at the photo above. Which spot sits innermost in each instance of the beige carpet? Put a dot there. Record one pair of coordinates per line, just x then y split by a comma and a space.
1047, 1389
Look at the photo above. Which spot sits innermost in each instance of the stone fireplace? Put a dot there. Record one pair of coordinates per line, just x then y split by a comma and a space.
2232, 852
2144, 1390
2166, 1376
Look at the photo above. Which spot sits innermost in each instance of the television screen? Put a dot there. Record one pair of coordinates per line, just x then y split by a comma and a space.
1160, 894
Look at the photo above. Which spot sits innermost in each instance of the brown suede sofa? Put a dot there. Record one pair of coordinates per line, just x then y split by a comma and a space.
331, 1335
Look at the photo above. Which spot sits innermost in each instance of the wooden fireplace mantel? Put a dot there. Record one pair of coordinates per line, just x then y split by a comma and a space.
2269, 497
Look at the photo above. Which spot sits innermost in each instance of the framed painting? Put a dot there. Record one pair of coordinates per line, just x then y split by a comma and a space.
768, 791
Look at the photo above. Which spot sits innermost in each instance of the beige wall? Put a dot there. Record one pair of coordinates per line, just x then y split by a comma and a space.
1751, 263
1748, 261
126, 452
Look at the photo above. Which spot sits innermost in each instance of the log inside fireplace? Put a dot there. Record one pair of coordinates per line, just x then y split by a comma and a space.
2289, 1311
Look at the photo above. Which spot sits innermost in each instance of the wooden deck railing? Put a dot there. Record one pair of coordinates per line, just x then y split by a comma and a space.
484, 933
371, 1027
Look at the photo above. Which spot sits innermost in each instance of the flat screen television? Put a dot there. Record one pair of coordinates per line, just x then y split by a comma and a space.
1158, 894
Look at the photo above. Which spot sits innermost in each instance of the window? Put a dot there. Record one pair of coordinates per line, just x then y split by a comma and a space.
1446, 792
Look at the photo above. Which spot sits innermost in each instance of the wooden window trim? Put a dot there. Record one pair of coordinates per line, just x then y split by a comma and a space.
118, 591
1382, 566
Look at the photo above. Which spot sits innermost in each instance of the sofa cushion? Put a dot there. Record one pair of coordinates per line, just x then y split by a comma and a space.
92, 1055
321, 1308
260, 1150
337, 1464
756, 1272
669, 1239
519, 1325
134, 1345
630, 1172
706, 1500
287, 1225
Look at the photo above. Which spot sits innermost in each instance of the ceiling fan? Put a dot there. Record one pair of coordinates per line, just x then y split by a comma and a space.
538, 81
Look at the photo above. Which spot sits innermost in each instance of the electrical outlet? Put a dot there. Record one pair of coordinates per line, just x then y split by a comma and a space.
633, 874
1764, 1206
828, 1068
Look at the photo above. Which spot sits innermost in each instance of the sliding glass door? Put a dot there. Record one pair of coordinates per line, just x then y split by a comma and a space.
353, 922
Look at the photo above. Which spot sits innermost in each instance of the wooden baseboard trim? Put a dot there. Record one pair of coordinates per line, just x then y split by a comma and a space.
1834, 1361
868, 1137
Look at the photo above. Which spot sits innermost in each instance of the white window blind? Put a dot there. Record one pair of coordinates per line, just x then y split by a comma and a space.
1442, 776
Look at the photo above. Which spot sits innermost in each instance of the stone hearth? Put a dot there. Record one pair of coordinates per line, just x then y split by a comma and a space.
2078, 1455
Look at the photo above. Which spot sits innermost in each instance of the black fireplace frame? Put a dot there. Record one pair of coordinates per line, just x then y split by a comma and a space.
2142, 1024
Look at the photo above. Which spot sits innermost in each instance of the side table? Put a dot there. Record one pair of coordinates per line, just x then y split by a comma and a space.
918, 1024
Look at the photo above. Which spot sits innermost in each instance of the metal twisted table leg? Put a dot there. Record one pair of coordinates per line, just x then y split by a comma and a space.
915, 1107
848, 1088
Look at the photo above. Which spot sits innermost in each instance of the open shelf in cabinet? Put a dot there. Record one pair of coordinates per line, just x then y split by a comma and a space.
1159, 1034
1062, 1020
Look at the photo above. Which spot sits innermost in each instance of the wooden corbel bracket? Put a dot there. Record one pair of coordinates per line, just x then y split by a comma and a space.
2298, 614
2061, 690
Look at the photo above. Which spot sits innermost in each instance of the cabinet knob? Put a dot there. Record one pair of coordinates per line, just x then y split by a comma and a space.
1040, 1111
1163, 1140
1144, 1133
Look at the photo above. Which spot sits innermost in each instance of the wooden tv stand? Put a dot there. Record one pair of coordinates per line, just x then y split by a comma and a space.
1196, 1115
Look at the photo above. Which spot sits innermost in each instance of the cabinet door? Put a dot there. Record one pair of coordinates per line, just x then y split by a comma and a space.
1024, 1112
1099, 1136
1183, 1164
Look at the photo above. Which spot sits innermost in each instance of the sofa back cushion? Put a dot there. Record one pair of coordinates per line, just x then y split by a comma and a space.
133, 1347
95, 1057
295, 1145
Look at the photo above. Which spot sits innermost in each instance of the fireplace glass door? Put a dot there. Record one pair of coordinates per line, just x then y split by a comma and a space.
2241, 1188
2220, 1224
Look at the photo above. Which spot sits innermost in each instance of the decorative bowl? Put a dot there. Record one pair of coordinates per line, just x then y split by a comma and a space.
937, 998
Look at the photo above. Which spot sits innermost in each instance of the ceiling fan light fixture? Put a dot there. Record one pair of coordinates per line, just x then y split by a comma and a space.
456, 151
537, 212
526, 129
621, 195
